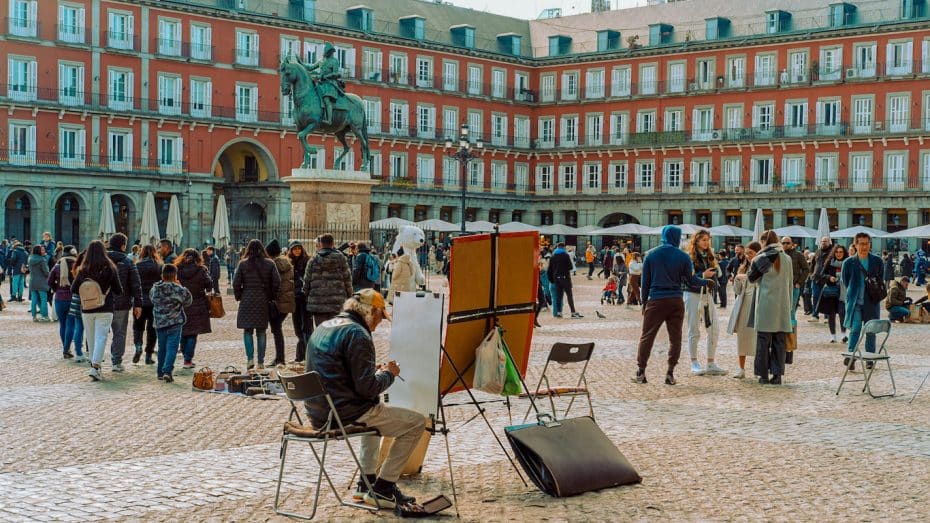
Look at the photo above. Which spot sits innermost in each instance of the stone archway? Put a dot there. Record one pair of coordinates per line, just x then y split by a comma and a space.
245, 161
617, 218
124, 214
19, 211
69, 209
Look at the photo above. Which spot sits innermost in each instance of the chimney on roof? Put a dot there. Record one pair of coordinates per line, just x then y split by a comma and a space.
598, 6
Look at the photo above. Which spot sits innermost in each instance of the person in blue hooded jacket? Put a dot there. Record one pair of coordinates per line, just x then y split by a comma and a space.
920, 268
667, 271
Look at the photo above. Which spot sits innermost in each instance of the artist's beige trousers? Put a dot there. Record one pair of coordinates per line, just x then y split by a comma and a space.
405, 425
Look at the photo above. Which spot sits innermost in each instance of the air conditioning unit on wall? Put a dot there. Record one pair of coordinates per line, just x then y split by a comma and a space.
850, 73
716, 135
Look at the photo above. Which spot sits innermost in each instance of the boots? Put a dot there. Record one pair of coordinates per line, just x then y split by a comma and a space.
138, 354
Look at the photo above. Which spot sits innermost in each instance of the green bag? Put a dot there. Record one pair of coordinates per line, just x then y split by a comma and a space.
512, 385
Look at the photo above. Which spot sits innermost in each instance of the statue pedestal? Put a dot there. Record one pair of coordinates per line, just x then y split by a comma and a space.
327, 200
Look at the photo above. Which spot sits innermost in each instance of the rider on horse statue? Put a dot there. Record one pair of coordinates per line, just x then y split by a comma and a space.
329, 82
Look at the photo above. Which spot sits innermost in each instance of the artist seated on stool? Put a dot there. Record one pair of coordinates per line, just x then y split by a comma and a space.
342, 352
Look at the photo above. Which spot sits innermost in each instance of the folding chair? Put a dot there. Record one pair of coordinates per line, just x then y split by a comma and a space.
300, 388
868, 359
564, 353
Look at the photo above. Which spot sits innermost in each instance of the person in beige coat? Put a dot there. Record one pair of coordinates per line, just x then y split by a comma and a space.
744, 291
405, 275
771, 270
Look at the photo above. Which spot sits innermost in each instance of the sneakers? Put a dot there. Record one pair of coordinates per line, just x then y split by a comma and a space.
43, 319
714, 370
833, 338
389, 499
94, 373
117, 367
79, 359
137, 356
167, 378
696, 368
260, 366
845, 339
188, 365
739, 374
361, 488
813, 319
577, 315
250, 365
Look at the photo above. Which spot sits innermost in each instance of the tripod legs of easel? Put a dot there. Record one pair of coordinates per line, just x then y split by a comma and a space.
919, 387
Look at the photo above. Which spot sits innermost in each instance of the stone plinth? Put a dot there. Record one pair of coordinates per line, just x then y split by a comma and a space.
326, 198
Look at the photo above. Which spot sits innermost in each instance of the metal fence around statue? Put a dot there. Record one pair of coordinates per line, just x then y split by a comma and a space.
243, 231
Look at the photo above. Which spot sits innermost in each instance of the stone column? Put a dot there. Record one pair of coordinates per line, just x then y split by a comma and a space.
879, 219
481, 214
844, 217
322, 198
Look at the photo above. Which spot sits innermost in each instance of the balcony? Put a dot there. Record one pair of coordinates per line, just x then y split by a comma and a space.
122, 41
24, 27
72, 34
168, 47
246, 56
84, 162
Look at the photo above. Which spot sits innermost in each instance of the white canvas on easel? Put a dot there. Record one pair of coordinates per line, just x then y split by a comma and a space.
416, 336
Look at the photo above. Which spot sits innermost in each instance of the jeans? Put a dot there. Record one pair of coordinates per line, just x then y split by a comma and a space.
276, 322
898, 312
855, 331
795, 296
261, 337
188, 344
38, 300
17, 285
65, 326
78, 333
169, 339
815, 298
97, 327
144, 326
556, 299
118, 345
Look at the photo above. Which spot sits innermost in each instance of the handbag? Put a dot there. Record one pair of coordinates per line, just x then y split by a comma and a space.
830, 291
791, 340
215, 302
490, 364
204, 379
875, 288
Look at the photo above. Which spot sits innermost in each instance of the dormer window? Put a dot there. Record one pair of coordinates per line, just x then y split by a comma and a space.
777, 21
660, 34
463, 35
842, 14
560, 45
509, 43
413, 26
913, 9
360, 17
716, 28
608, 40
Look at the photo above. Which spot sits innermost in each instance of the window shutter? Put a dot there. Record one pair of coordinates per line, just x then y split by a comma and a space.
253, 102
81, 145
31, 142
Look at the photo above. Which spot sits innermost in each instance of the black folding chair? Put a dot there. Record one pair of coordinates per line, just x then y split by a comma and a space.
563, 354
869, 359
301, 388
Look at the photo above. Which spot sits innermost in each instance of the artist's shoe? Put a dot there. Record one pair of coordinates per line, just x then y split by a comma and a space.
361, 488
388, 499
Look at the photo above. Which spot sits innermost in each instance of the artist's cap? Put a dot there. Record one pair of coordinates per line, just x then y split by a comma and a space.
373, 299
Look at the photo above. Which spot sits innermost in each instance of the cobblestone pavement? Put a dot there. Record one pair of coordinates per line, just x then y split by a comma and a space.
711, 448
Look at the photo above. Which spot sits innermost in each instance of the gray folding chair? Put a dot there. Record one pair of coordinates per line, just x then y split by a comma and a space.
301, 388
869, 360
563, 354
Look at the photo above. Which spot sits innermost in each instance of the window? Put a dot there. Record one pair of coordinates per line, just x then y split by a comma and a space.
862, 172
169, 37
23, 18
246, 48
398, 166
894, 170
426, 121
424, 72
521, 131
674, 120
426, 171
899, 58
544, 178
21, 79
646, 121
828, 117
763, 118
169, 153
547, 88
71, 144
569, 86
645, 172
592, 177
318, 160
371, 64
703, 123
169, 94
831, 63
201, 98
762, 173
898, 113
619, 129
498, 176
925, 56
476, 174
616, 178
450, 173
825, 170
647, 79
796, 118
450, 122
450, 76
498, 83
792, 168
736, 71
346, 57
70, 84
594, 83
731, 173
474, 79
399, 118
521, 87
373, 114
498, 129
706, 74
620, 81
71, 23
862, 115
521, 175
546, 132
120, 90
676, 77
569, 128
733, 121
672, 180
567, 183
202, 48
925, 171
246, 103
22, 143
594, 130
797, 68
120, 30
375, 164
700, 175
119, 153
864, 55
290, 47
765, 70
347, 163
475, 125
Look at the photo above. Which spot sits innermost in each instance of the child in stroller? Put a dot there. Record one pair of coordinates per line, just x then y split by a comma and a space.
609, 294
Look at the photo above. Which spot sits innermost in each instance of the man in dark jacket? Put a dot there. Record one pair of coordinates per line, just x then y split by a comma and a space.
820, 256
327, 284
18, 258
722, 278
342, 352
667, 270
560, 274
212, 262
800, 272
166, 251
360, 269
131, 298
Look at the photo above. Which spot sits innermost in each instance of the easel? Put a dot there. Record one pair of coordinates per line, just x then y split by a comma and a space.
490, 314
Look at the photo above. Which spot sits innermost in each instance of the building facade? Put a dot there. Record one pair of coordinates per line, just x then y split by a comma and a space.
641, 115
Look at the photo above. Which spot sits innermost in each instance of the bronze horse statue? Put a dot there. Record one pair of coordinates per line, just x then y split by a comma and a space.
348, 113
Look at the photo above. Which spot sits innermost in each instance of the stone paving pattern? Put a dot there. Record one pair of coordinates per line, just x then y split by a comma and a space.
711, 448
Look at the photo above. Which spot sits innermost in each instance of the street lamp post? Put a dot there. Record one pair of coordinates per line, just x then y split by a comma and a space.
464, 153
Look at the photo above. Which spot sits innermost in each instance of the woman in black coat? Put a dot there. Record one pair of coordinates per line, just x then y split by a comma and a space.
149, 267
255, 285
194, 275
298, 258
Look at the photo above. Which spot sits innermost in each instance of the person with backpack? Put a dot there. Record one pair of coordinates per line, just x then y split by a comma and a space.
74, 314
327, 284
366, 271
169, 300
131, 299
97, 284
255, 286
192, 274
59, 281
149, 267
284, 301
18, 269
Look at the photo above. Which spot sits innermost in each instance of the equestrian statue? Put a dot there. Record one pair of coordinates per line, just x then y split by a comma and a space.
322, 105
